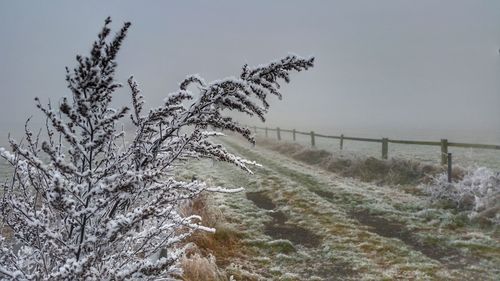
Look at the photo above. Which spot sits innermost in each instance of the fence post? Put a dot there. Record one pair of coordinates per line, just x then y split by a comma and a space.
293, 134
449, 167
444, 151
266, 132
313, 141
278, 133
341, 141
385, 148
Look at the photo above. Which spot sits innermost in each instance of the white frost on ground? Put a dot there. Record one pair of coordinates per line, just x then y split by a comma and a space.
363, 231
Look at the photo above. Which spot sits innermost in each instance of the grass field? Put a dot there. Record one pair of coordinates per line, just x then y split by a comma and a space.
298, 222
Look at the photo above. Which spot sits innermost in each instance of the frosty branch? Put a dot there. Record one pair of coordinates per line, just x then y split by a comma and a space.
82, 204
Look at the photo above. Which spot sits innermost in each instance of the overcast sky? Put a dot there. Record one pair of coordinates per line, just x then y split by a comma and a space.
406, 68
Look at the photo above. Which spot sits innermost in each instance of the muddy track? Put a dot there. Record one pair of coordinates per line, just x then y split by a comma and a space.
278, 228
378, 225
447, 257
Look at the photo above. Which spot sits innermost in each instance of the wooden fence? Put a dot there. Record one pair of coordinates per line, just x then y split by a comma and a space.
443, 143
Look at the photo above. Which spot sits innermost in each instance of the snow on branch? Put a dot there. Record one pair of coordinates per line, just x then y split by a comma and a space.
83, 204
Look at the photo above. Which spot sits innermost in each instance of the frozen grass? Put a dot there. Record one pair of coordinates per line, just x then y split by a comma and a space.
422, 243
477, 193
474, 190
369, 169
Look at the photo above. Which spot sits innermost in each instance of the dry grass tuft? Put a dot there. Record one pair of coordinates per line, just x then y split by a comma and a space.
224, 244
197, 267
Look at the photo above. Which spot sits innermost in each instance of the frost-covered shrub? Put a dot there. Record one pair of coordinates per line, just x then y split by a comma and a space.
85, 205
478, 192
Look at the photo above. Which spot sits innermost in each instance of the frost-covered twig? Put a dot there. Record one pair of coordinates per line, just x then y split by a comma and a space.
86, 206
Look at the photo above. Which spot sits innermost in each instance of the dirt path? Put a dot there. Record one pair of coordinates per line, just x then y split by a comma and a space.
301, 223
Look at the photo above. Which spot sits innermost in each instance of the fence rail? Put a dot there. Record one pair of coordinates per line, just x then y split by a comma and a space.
443, 143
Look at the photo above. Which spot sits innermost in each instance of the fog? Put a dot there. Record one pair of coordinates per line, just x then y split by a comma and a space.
409, 69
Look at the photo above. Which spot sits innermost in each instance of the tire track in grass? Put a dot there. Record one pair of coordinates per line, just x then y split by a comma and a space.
294, 258
448, 257
278, 228
341, 225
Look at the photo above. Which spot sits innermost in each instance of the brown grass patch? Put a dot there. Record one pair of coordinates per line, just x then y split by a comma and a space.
225, 244
197, 267
6, 232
